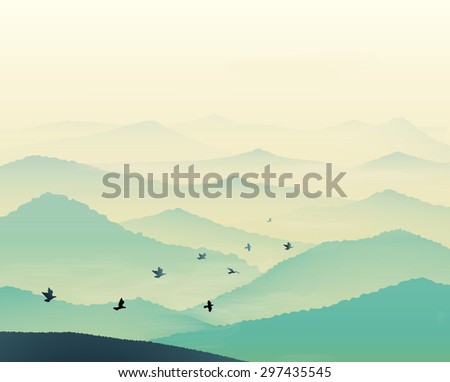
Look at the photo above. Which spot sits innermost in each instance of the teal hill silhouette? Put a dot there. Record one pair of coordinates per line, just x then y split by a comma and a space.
382, 211
142, 320
74, 347
247, 161
331, 272
88, 259
398, 160
195, 231
34, 175
407, 322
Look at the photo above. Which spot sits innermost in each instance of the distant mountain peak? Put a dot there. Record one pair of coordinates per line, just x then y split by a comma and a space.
259, 153
388, 196
400, 155
355, 123
49, 204
399, 123
177, 211
264, 154
399, 158
399, 234
388, 192
52, 197
217, 119
41, 159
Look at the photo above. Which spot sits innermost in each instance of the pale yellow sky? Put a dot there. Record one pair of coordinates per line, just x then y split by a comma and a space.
291, 63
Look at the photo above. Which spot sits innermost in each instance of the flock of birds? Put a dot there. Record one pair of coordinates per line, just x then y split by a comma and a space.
160, 272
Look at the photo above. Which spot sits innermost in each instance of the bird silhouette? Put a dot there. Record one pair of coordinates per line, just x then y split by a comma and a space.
231, 271
287, 246
209, 305
120, 305
269, 220
48, 295
159, 272
248, 247
201, 256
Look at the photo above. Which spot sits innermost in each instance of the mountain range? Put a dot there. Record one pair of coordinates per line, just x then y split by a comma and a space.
141, 320
331, 272
58, 242
194, 231
383, 211
406, 322
143, 141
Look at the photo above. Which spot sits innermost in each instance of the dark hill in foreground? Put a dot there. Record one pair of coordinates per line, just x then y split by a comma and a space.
73, 347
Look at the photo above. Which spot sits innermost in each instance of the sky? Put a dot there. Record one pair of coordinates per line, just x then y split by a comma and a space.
291, 63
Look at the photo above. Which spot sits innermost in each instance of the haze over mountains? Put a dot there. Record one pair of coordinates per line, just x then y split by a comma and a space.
216, 136
383, 211
334, 271
57, 241
195, 231
59, 232
346, 143
398, 160
243, 162
137, 142
58, 130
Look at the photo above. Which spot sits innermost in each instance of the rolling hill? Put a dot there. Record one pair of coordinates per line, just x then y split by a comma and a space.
361, 142
356, 141
13, 140
73, 347
195, 231
331, 272
138, 142
248, 161
34, 175
235, 137
407, 322
141, 320
383, 211
88, 259
401, 161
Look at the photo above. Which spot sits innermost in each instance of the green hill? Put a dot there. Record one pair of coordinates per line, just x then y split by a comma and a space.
141, 320
85, 258
195, 231
74, 347
407, 322
334, 271
382, 211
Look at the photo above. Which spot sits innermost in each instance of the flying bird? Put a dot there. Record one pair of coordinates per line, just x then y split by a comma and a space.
287, 246
269, 220
248, 247
201, 256
120, 305
231, 271
159, 272
48, 295
209, 305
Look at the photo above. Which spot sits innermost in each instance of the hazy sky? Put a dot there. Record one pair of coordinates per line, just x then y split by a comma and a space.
292, 63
